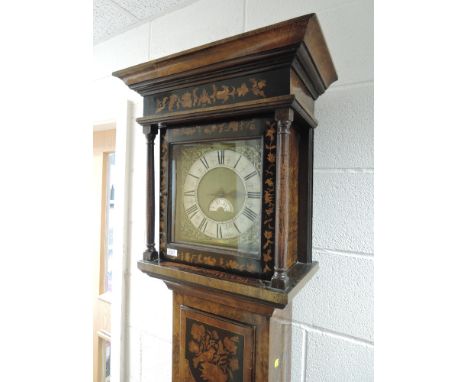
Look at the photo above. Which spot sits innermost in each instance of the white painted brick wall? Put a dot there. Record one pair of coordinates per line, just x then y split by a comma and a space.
346, 132
334, 358
332, 317
343, 210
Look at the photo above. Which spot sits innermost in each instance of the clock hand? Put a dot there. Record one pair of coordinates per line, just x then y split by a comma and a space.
234, 193
219, 194
222, 194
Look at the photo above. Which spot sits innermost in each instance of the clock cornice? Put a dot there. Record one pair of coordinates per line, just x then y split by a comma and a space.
294, 51
287, 34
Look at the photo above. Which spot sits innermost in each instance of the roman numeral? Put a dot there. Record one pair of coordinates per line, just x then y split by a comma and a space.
204, 162
202, 225
254, 195
249, 213
221, 156
196, 177
189, 193
219, 232
252, 174
236, 227
240, 156
192, 211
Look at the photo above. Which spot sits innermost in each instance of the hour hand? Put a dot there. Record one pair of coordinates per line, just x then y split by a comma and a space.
218, 194
234, 193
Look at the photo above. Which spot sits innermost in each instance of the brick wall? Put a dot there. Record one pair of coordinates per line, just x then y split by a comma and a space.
332, 317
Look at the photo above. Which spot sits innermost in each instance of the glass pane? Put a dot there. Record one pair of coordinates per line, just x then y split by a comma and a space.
110, 208
217, 194
106, 353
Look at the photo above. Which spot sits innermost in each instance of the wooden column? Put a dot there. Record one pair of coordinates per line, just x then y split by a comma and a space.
150, 254
284, 119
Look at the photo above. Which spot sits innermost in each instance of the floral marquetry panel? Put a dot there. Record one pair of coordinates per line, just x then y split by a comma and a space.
214, 349
228, 91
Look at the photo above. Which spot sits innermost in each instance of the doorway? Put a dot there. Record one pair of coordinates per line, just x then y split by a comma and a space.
104, 191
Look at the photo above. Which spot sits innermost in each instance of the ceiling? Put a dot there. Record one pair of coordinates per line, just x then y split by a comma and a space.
112, 17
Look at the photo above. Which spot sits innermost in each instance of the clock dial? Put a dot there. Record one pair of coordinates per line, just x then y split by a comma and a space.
222, 194
219, 194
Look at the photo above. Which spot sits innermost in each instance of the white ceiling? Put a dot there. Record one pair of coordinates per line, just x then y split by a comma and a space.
112, 17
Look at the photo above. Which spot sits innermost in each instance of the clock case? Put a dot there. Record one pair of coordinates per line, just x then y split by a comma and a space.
271, 76
268, 78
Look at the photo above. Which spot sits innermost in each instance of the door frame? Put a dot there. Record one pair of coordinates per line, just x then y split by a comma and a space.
122, 121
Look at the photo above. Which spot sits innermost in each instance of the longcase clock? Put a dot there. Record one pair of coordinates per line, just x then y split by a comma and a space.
235, 120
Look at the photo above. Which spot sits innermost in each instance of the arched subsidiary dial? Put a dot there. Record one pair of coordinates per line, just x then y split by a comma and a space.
222, 194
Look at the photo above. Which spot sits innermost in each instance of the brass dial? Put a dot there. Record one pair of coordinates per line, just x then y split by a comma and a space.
222, 194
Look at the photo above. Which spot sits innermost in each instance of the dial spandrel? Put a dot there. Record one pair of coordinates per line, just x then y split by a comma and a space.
218, 194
